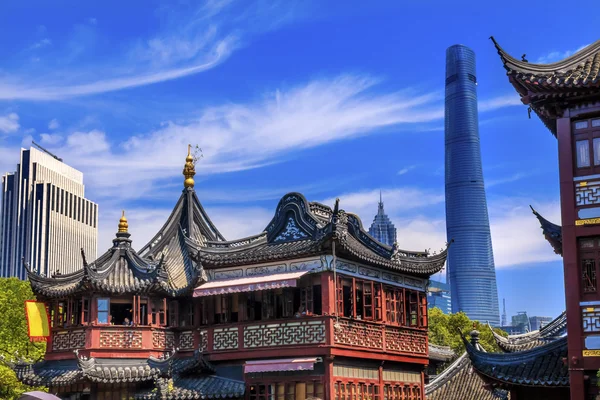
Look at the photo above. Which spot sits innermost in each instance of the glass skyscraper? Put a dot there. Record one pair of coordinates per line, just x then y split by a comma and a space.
382, 228
470, 270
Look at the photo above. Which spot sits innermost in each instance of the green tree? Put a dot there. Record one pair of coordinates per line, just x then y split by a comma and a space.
444, 331
14, 339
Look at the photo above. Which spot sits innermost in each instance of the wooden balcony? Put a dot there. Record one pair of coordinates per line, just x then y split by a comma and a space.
111, 338
287, 335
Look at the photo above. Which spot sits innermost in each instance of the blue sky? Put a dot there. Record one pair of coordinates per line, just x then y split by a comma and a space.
332, 99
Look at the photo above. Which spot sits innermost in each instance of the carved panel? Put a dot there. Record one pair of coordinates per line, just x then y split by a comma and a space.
290, 232
231, 274
312, 265
358, 334
265, 270
186, 340
587, 194
120, 339
64, 341
591, 319
405, 341
158, 339
225, 338
203, 340
284, 334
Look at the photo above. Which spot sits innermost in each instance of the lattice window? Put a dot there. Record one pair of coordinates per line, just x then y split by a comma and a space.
401, 392
588, 266
306, 298
286, 390
356, 391
422, 310
395, 305
412, 309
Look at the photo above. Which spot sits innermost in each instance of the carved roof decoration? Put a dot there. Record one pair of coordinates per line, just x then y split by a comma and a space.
541, 366
302, 229
549, 89
552, 232
554, 330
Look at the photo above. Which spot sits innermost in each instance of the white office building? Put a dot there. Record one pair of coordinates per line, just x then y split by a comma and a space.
45, 218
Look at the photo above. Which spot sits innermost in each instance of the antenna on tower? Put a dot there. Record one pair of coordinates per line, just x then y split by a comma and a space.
503, 312
46, 151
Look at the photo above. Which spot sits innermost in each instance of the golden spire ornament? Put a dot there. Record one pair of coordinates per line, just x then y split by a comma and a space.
189, 170
123, 225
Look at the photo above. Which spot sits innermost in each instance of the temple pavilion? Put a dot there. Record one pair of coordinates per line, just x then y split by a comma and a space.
312, 307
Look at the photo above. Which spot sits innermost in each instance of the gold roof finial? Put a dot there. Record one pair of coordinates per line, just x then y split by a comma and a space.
123, 225
189, 169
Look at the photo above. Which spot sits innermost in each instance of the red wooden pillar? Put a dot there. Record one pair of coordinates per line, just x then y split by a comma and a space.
327, 294
571, 270
329, 387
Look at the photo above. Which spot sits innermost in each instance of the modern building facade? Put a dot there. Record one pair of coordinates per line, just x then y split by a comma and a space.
536, 323
438, 295
382, 228
470, 271
45, 218
521, 322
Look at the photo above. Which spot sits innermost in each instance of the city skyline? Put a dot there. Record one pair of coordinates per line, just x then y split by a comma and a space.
338, 114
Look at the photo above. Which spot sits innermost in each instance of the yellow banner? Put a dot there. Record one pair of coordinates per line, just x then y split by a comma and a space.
591, 353
37, 320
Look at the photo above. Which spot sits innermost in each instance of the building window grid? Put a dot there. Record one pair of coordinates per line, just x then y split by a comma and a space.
291, 390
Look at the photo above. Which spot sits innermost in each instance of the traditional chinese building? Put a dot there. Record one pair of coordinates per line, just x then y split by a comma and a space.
565, 95
311, 307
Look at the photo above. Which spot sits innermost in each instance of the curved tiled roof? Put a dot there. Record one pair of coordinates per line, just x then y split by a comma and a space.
540, 366
554, 330
460, 382
552, 232
296, 231
550, 88
440, 353
199, 387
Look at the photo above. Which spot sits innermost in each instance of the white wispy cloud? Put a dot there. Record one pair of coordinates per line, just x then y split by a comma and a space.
405, 170
9, 123
554, 56
54, 124
50, 139
499, 102
192, 41
42, 43
508, 179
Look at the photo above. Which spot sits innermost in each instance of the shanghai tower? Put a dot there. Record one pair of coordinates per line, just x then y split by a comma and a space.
470, 270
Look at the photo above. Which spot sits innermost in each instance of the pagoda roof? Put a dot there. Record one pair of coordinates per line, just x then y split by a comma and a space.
554, 330
550, 88
119, 270
552, 232
541, 366
108, 370
460, 382
301, 229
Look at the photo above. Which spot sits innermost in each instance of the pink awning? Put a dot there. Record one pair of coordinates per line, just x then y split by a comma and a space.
286, 364
250, 284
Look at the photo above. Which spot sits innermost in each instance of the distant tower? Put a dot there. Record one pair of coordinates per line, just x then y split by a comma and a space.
382, 228
45, 217
503, 312
470, 270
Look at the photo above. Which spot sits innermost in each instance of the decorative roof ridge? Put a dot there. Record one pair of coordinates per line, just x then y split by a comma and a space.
564, 65
448, 373
515, 339
551, 231
55, 278
558, 323
543, 220
205, 217
516, 357
242, 243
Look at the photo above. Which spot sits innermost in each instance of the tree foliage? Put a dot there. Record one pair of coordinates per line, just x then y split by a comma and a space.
14, 339
444, 331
